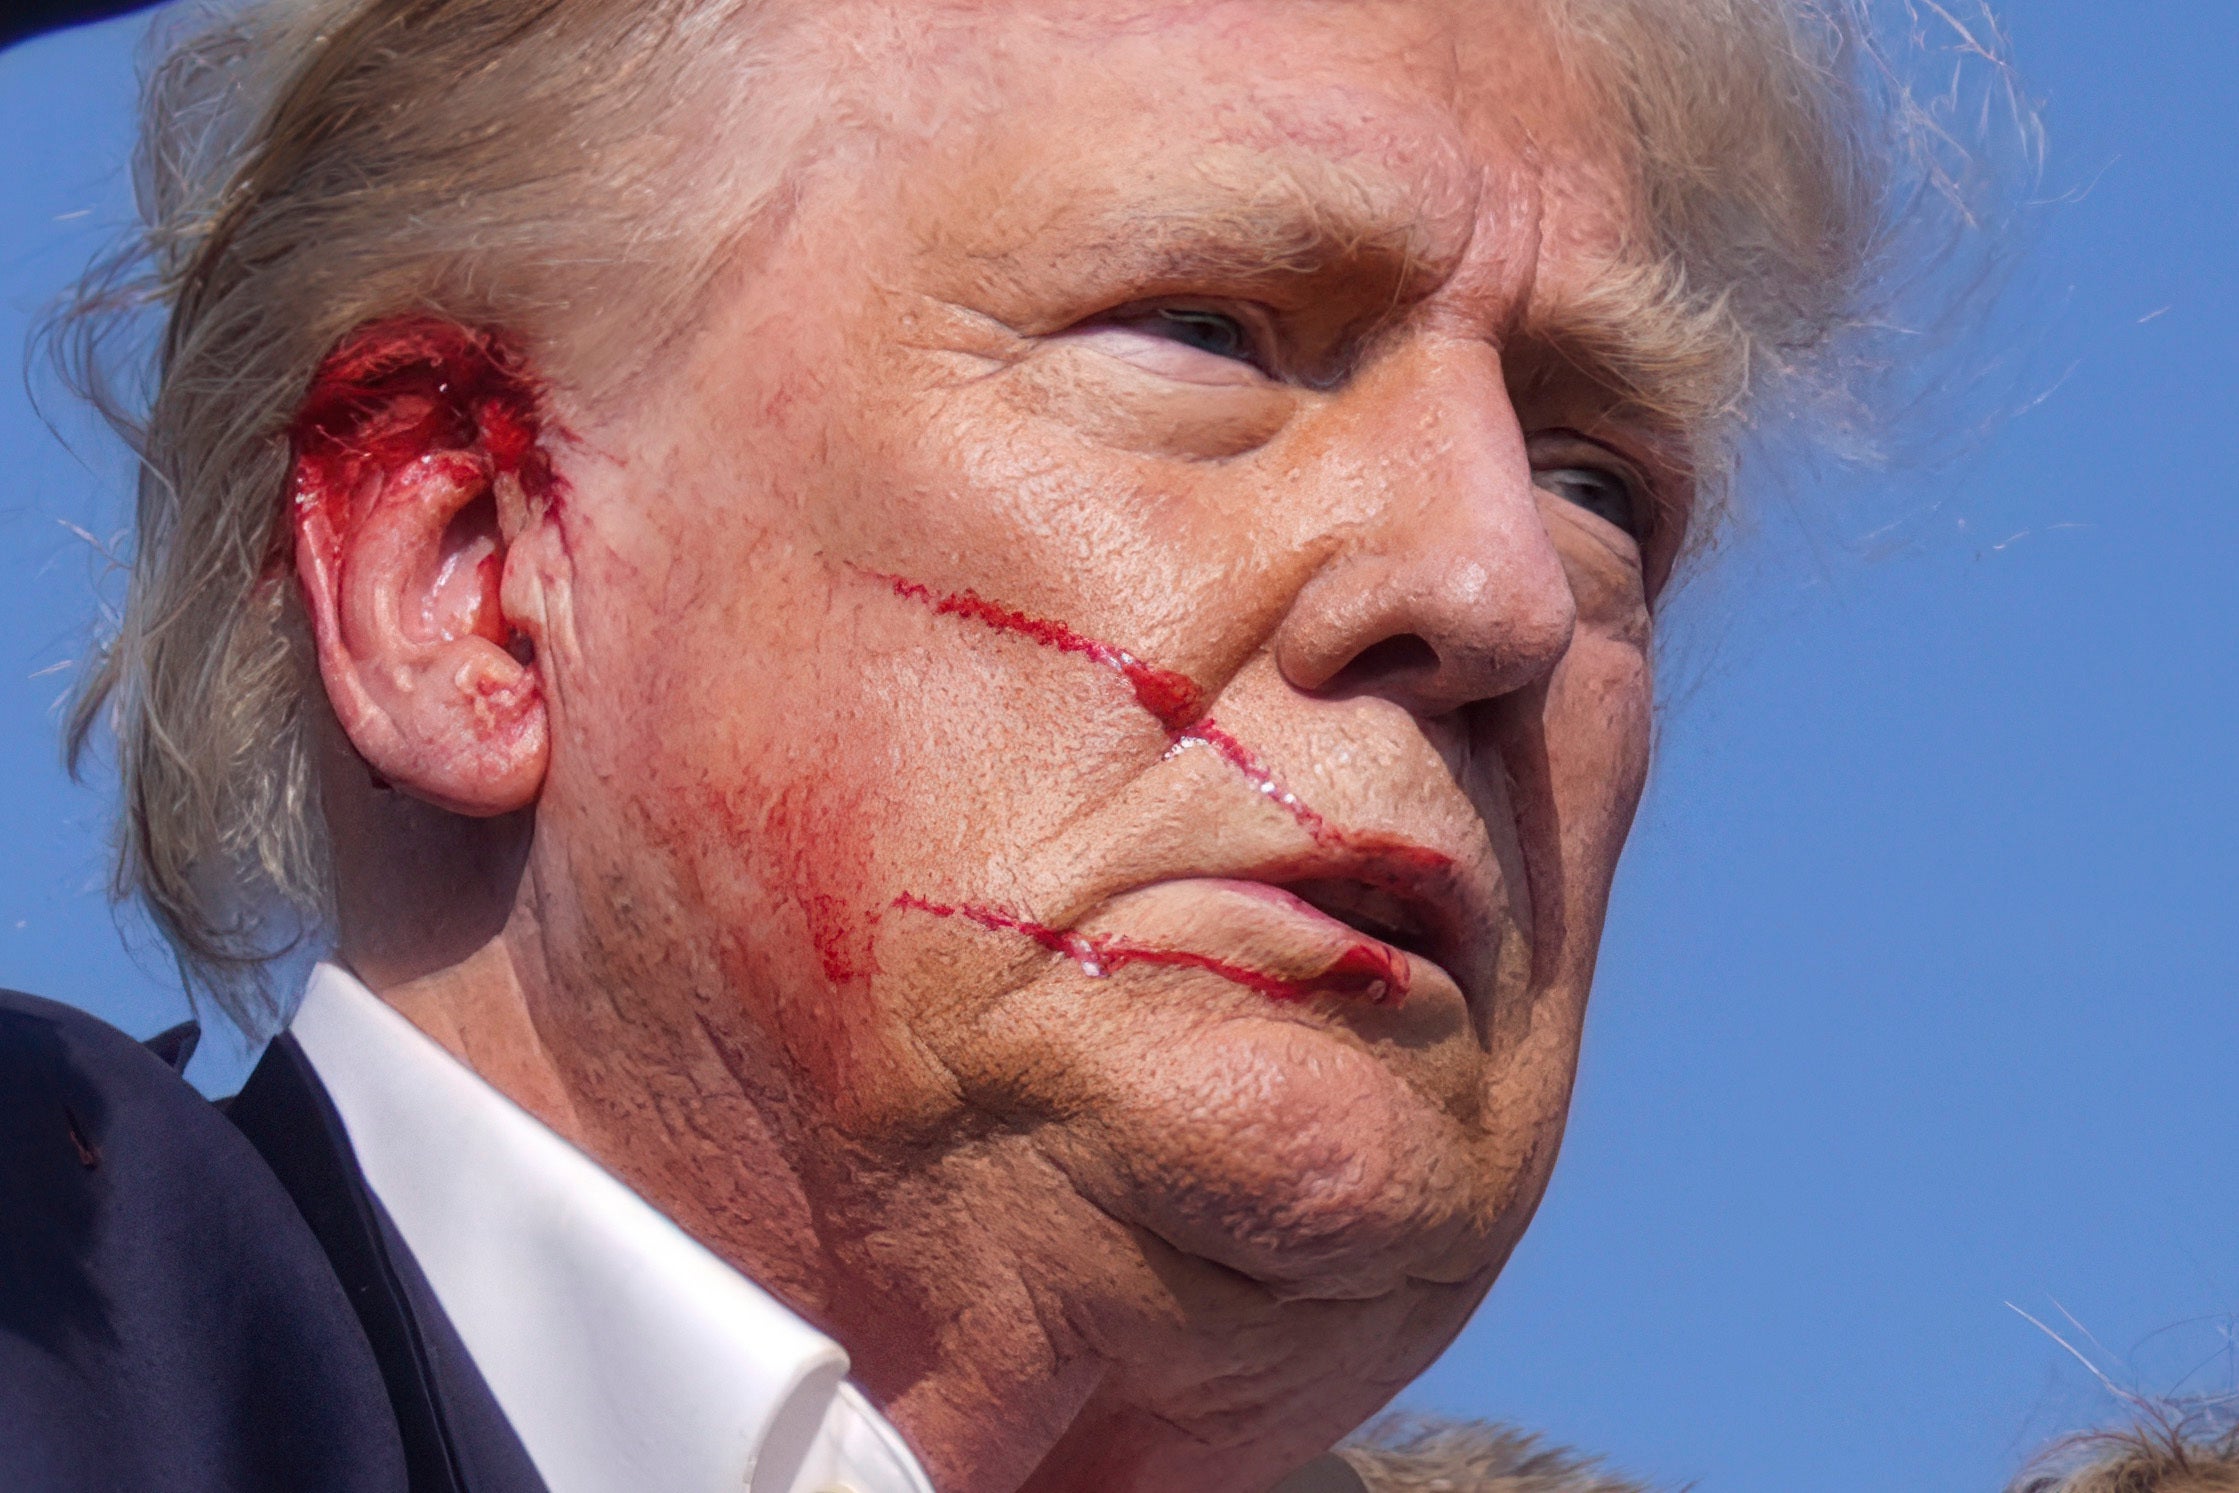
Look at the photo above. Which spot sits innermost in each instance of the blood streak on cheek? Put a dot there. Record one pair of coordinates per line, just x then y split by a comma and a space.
1173, 699
1371, 970
398, 391
834, 939
1365, 971
1241, 757
823, 862
1178, 705
1384, 851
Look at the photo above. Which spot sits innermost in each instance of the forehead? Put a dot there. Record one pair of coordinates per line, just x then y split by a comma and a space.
1434, 123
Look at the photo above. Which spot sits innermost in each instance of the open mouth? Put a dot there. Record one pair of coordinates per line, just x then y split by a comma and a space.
1390, 917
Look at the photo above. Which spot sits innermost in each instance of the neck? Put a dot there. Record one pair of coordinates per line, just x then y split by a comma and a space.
688, 1103
981, 1406
477, 1010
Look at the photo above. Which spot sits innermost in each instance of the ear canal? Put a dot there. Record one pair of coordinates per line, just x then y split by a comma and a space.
465, 598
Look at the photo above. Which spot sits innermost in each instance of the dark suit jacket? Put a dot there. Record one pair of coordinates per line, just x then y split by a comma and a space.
22, 19
197, 1299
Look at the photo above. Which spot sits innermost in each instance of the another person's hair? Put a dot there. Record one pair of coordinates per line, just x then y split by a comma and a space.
2164, 1453
1404, 1453
575, 171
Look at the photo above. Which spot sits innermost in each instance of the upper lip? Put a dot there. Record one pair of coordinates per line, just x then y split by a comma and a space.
1410, 923
1435, 890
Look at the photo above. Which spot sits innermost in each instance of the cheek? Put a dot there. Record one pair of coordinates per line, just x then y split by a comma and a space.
808, 738
815, 762
1599, 718
799, 928
744, 768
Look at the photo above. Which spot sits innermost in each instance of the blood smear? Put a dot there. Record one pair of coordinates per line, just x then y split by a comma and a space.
416, 391
1366, 970
1173, 699
397, 390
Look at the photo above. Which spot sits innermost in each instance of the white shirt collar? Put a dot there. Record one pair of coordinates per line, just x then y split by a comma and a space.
626, 1355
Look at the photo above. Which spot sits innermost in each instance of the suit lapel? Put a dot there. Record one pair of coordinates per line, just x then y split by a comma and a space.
456, 1439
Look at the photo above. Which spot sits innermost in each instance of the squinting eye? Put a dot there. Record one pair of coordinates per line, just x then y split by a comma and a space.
1604, 494
1207, 331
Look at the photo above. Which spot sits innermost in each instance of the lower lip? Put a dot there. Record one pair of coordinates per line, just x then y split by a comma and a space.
1364, 969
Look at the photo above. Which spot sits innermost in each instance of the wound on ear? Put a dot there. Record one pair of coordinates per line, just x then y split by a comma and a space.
397, 390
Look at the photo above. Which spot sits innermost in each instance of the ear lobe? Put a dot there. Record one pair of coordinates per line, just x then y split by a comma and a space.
415, 464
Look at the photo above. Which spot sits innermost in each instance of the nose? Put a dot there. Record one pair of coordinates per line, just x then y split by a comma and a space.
1446, 588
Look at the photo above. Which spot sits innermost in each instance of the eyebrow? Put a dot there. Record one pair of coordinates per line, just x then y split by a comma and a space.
1635, 328
1248, 218
1264, 221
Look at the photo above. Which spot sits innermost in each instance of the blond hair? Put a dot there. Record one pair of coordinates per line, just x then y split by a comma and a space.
2167, 1452
1404, 1453
308, 166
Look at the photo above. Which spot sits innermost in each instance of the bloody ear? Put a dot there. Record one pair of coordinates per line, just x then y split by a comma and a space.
415, 466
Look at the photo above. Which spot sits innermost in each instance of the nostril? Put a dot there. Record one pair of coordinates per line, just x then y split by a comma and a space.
1405, 657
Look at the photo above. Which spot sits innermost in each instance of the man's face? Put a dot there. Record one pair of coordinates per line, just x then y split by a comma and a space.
1105, 682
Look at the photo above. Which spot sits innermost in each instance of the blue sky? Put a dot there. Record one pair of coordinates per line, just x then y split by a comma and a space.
1918, 994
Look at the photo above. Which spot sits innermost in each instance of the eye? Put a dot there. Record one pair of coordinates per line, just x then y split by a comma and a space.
1207, 331
1607, 494
1192, 344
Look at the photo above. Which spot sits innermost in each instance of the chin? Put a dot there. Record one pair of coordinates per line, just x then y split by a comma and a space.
1296, 1157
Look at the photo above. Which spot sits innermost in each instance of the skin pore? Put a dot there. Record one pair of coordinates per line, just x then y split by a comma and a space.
1047, 781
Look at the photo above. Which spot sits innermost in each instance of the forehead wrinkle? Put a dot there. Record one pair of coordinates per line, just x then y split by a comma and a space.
1247, 215
1600, 300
